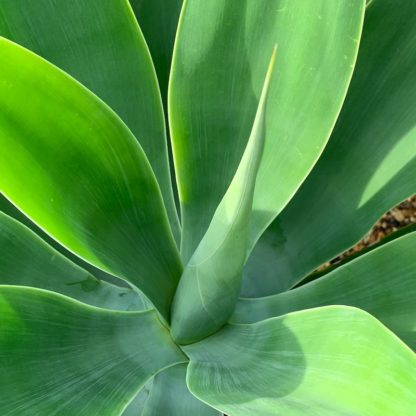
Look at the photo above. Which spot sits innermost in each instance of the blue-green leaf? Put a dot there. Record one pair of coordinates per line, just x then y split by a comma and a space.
382, 282
26, 260
169, 396
368, 166
210, 284
61, 357
325, 362
219, 62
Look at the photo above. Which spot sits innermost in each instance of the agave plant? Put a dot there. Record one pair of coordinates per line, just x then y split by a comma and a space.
291, 130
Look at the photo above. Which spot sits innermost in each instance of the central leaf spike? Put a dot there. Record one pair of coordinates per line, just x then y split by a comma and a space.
211, 282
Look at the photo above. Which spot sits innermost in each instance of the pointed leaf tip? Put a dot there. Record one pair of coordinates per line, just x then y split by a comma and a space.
209, 287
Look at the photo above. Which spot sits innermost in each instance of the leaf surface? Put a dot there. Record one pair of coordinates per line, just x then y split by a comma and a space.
321, 362
382, 282
368, 166
219, 62
61, 357
169, 395
158, 20
210, 284
136, 406
71, 165
101, 45
6, 207
26, 260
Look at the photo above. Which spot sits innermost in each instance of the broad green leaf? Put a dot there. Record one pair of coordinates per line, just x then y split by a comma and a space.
61, 357
382, 282
135, 407
169, 396
158, 20
82, 177
218, 66
327, 361
100, 44
26, 260
8, 208
370, 162
210, 284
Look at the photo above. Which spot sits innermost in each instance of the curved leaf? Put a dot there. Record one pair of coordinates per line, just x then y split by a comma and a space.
8, 208
159, 20
136, 406
217, 74
59, 356
26, 260
382, 282
210, 284
100, 44
369, 165
82, 176
327, 361
170, 396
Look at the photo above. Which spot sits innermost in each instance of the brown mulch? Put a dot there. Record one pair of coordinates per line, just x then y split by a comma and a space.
400, 216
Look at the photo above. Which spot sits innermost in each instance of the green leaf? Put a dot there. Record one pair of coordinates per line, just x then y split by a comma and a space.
210, 284
158, 20
370, 163
167, 394
100, 44
26, 260
8, 208
217, 74
328, 361
135, 407
382, 282
170, 396
82, 176
386, 239
60, 356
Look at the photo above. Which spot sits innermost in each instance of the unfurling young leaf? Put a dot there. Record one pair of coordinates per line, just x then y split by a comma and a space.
211, 281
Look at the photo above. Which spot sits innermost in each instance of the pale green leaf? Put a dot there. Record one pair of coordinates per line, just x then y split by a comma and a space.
382, 282
211, 282
61, 357
169, 396
26, 260
135, 407
218, 67
369, 165
321, 362
82, 176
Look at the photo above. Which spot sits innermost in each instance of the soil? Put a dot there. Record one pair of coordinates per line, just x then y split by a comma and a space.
398, 217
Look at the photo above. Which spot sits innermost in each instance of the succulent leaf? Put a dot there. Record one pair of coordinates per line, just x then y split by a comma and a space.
100, 44
59, 356
210, 284
382, 282
82, 176
26, 260
327, 361
220, 58
368, 166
